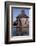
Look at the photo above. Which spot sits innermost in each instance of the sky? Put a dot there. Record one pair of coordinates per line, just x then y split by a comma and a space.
17, 11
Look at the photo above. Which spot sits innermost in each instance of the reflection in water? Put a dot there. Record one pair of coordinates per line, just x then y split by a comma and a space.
20, 31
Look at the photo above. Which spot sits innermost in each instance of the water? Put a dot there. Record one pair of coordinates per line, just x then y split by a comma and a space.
20, 33
14, 32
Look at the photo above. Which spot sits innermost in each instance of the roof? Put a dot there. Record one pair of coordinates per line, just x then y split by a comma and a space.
22, 15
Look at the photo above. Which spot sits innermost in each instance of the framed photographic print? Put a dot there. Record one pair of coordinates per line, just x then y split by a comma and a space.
20, 22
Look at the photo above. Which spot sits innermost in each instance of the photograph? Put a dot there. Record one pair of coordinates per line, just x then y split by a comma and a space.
20, 21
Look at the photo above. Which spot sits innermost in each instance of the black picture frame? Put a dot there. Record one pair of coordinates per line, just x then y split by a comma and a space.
7, 3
